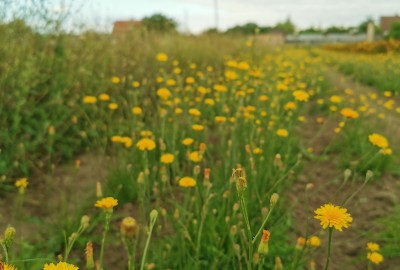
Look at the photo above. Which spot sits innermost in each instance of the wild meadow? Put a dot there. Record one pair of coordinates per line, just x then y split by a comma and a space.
153, 151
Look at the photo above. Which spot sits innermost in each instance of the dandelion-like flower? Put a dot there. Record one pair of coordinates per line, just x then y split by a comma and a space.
187, 182
6, 266
146, 144
60, 266
378, 140
89, 99
371, 246
375, 257
349, 113
167, 158
107, 203
282, 133
333, 216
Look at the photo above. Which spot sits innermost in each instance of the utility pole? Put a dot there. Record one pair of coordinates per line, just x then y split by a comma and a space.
216, 13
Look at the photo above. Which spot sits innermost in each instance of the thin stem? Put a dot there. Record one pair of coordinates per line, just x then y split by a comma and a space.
248, 228
147, 245
103, 240
329, 248
262, 225
5, 252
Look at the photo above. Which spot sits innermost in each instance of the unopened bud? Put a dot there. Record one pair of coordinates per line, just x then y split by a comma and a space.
369, 175
9, 235
73, 237
129, 227
263, 246
264, 212
309, 186
278, 161
85, 222
140, 178
89, 255
274, 199
347, 174
278, 264
153, 215
312, 264
196, 170
99, 193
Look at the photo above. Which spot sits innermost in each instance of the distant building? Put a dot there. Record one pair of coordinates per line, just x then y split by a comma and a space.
121, 27
315, 38
387, 21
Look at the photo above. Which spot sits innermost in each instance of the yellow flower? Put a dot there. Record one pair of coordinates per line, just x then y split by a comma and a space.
60, 266
333, 216
187, 182
135, 84
378, 140
209, 101
146, 133
163, 93
257, 151
187, 141
349, 113
129, 227
113, 106
127, 141
301, 95
220, 119
282, 133
189, 80
21, 183
371, 246
170, 82
137, 110
5, 266
314, 241
220, 88
194, 112
146, 144
197, 127
195, 156
263, 98
115, 80
116, 139
162, 57
104, 97
167, 158
178, 111
106, 203
375, 257
290, 106
335, 99
387, 151
89, 99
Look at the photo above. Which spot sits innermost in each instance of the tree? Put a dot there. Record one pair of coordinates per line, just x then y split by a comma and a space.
394, 31
362, 27
246, 29
336, 30
159, 22
286, 27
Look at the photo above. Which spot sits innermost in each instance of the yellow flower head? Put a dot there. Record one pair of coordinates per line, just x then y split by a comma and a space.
378, 140
197, 127
21, 183
195, 156
113, 106
6, 266
104, 97
349, 113
146, 144
164, 93
162, 57
333, 216
314, 241
220, 119
89, 99
194, 112
371, 246
135, 84
282, 133
187, 141
115, 80
60, 266
106, 203
301, 95
136, 110
187, 182
375, 257
167, 158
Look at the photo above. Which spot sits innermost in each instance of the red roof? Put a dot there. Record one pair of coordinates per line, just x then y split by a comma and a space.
386, 22
121, 27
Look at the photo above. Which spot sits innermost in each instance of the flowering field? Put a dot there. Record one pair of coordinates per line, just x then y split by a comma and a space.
171, 152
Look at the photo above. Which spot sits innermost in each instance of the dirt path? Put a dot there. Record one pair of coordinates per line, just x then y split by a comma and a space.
376, 200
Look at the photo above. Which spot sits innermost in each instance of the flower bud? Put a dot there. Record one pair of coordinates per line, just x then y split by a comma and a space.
85, 222
274, 199
278, 263
9, 235
89, 255
263, 246
129, 227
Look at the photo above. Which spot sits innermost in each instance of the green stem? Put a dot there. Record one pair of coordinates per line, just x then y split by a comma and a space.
147, 245
5, 252
329, 248
248, 228
103, 240
262, 225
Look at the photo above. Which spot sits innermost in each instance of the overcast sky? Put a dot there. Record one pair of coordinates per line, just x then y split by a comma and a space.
198, 15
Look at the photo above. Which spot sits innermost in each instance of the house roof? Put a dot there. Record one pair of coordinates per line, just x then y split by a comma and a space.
123, 26
387, 21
